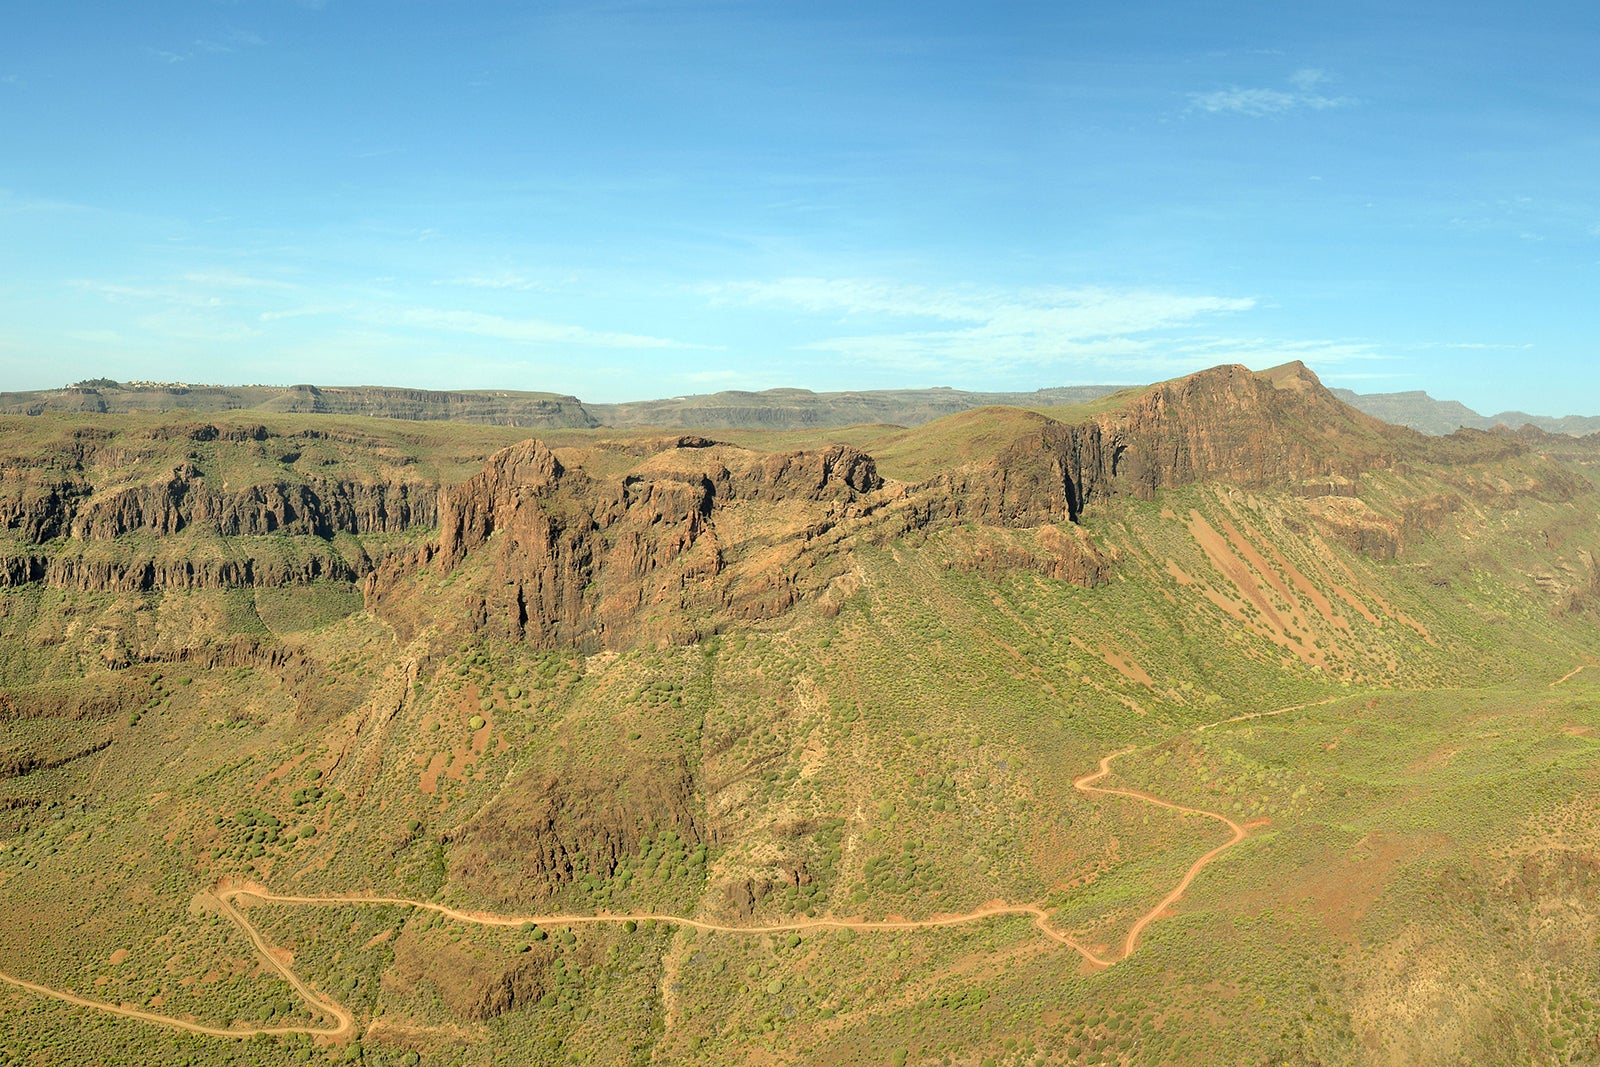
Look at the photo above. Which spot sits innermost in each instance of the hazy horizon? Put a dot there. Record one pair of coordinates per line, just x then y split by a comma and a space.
755, 390
658, 198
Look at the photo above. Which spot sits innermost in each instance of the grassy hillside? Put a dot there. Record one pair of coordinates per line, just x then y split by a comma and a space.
1392, 690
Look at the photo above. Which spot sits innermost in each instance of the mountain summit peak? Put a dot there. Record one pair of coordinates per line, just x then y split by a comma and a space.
1294, 375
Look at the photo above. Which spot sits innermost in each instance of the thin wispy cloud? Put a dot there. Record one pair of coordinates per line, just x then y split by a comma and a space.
504, 280
119, 292
226, 44
1307, 79
984, 327
1305, 93
306, 312
12, 203
856, 296
532, 331
227, 279
1266, 351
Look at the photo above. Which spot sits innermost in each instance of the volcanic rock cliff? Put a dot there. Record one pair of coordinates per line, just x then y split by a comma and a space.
700, 533
695, 531
1276, 428
193, 506
606, 543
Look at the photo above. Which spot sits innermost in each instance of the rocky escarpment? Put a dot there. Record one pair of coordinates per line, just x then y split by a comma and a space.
136, 571
1278, 428
187, 506
696, 532
184, 533
546, 830
317, 508
495, 408
486, 407
692, 534
700, 534
187, 500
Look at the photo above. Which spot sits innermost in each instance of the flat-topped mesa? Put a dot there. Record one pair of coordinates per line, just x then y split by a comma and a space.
486, 407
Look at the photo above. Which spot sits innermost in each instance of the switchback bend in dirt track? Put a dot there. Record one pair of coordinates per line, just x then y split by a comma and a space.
342, 1024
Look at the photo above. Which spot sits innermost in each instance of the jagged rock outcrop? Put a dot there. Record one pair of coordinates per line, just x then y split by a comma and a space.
519, 985
470, 985
187, 501
41, 511
700, 534
571, 560
78, 512
544, 831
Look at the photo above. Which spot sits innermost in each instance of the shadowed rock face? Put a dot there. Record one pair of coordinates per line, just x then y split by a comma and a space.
187, 506
702, 533
656, 555
188, 500
695, 534
547, 829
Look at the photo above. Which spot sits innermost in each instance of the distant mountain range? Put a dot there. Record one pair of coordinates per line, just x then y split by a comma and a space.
774, 409
1420, 411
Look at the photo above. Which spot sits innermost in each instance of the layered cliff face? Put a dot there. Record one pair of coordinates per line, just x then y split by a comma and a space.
135, 505
701, 533
486, 407
692, 534
572, 546
497, 408
1278, 428
82, 489
186, 500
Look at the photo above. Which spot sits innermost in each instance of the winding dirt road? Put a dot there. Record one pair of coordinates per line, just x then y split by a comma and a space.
343, 1023
343, 1029
1085, 784
1570, 674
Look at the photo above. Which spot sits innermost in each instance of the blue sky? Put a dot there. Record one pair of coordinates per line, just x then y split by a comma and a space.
638, 198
